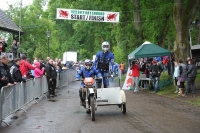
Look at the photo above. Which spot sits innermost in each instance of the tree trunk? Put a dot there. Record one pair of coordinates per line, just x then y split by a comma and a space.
163, 32
184, 13
136, 14
137, 19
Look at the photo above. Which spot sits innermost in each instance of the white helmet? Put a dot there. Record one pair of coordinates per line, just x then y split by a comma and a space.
88, 64
105, 46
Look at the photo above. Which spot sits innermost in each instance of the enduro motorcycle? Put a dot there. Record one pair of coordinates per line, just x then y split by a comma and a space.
95, 96
89, 92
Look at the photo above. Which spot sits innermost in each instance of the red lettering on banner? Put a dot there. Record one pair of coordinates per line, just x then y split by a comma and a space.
63, 14
112, 17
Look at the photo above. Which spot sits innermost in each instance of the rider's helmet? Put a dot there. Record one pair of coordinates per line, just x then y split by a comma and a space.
88, 64
105, 46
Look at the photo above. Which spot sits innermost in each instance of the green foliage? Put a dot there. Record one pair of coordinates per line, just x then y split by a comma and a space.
86, 37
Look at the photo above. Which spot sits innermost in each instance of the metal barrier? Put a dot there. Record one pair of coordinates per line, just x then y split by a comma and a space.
15, 97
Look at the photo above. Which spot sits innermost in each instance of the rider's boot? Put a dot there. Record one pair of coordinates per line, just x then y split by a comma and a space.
105, 86
88, 111
82, 101
99, 85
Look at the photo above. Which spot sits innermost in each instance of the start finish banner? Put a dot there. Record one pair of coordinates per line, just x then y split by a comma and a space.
87, 15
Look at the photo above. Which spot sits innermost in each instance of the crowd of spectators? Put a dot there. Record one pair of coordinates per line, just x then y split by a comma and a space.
185, 72
21, 69
153, 67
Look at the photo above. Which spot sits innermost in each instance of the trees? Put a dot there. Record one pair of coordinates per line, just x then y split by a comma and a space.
160, 21
184, 12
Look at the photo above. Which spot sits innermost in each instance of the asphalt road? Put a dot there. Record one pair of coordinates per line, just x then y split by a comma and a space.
146, 113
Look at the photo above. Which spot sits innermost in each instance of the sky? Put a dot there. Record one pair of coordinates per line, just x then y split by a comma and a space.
4, 3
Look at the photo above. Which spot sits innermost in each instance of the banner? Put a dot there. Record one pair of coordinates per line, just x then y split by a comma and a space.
87, 15
128, 83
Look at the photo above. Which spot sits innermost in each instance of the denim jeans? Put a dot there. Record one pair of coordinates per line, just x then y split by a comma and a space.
190, 84
155, 81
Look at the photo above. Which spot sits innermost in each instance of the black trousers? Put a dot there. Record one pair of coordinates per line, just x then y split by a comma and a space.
52, 87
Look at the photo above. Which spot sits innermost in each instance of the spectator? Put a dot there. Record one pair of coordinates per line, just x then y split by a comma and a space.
25, 67
142, 69
56, 60
37, 71
147, 72
4, 44
121, 67
32, 71
191, 72
47, 60
59, 65
165, 62
15, 72
155, 72
135, 74
42, 64
188, 58
182, 76
15, 47
158, 59
176, 74
115, 68
51, 77
6, 79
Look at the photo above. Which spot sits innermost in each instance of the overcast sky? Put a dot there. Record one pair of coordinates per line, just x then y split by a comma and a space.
4, 3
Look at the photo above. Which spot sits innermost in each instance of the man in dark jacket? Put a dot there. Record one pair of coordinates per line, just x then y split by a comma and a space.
5, 77
14, 47
192, 73
155, 72
51, 77
15, 72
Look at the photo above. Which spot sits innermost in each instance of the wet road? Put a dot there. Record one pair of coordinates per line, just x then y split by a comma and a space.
146, 113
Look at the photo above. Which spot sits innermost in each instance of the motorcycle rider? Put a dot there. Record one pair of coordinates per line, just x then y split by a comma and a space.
103, 60
88, 70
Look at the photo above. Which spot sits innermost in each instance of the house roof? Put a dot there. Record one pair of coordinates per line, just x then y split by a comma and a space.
7, 25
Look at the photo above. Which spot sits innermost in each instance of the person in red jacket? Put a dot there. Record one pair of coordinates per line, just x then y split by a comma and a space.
135, 74
25, 66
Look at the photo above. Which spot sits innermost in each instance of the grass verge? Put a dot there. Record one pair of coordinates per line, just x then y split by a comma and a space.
195, 102
169, 91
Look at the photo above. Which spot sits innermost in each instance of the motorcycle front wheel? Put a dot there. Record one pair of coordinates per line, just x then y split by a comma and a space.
92, 107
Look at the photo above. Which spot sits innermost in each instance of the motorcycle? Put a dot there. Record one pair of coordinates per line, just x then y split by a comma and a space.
95, 96
89, 94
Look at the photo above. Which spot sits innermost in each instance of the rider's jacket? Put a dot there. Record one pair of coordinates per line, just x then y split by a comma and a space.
103, 60
83, 72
